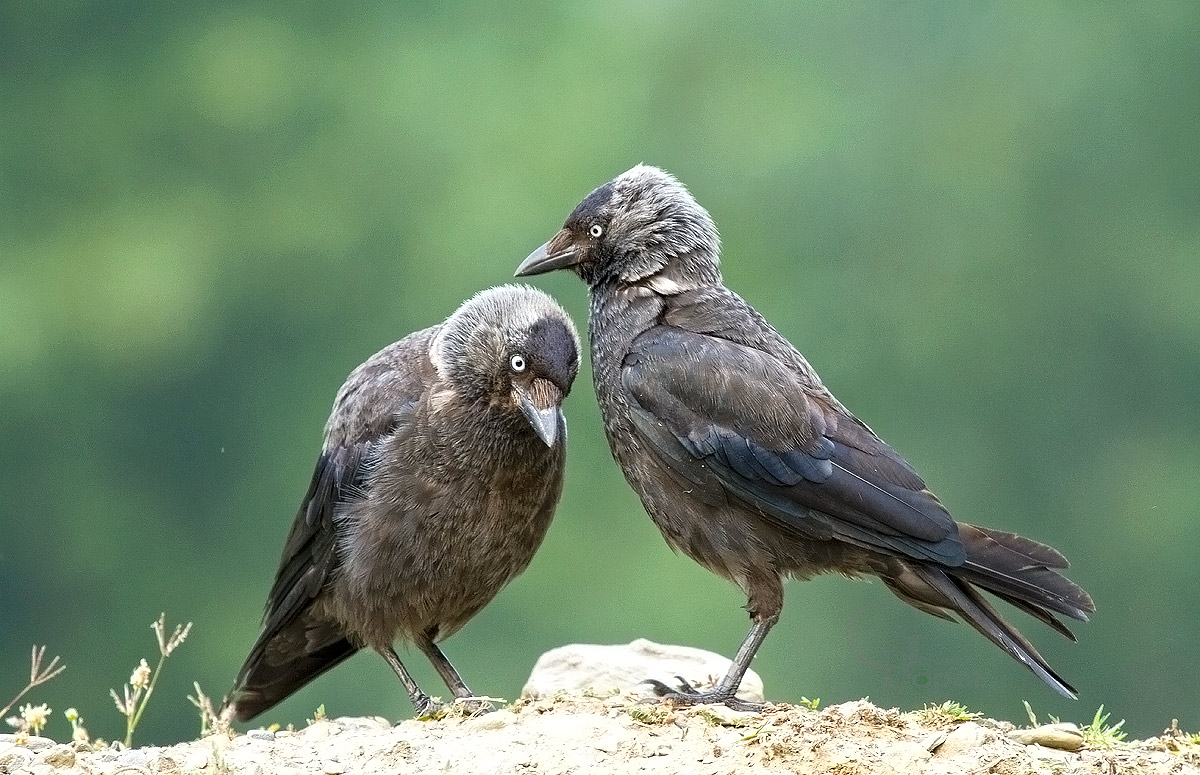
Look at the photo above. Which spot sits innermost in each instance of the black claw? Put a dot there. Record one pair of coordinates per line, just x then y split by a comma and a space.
689, 696
684, 686
659, 688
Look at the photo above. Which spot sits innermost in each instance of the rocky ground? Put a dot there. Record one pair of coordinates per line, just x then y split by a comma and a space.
622, 734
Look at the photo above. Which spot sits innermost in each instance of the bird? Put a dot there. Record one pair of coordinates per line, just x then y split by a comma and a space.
742, 457
440, 471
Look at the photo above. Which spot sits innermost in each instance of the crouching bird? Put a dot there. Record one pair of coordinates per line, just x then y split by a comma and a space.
745, 461
440, 472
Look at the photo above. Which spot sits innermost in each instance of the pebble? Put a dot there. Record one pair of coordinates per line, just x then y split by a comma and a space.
59, 756
1065, 737
963, 738
33, 743
194, 760
609, 744
14, 759
260, 734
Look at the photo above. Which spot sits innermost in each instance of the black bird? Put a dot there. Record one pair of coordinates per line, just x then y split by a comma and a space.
745, 461
440, 472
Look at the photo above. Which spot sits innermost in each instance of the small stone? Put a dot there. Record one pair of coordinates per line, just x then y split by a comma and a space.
194, 759
607, 744
59, 756
134, 757
1065, 737
963, 738
319, 731
933, 741
260, 734
15, 759
33, 742
165, 765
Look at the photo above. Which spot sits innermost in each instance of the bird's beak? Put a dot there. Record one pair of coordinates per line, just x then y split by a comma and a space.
540, 405
560, 252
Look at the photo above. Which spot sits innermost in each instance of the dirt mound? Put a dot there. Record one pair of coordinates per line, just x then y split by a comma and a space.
621, 735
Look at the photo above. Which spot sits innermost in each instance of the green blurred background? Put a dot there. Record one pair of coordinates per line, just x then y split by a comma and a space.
980, 221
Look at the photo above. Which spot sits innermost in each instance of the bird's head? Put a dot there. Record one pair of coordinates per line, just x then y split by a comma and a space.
642, 227
512, 346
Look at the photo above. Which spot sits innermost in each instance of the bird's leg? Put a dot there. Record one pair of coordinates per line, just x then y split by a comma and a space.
449, 674
725, 692
764, 601
422, 702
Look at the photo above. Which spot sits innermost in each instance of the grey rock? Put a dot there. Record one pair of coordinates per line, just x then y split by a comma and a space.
963, 738
1065, 737
596, 669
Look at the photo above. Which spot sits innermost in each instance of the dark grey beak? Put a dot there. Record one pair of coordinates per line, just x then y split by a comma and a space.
559, 253
545, 422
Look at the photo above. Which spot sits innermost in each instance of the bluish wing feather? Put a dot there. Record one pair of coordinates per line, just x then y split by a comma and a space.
807, 465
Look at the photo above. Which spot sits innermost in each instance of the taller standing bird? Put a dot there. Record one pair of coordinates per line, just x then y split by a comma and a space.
742, 457
441, 468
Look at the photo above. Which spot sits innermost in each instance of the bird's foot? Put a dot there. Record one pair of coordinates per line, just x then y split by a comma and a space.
427, 708
687, 695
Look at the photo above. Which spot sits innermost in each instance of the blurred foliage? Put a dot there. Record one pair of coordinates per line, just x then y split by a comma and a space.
981, 222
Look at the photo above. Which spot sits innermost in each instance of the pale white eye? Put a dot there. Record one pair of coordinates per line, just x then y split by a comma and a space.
596, 230
517, 362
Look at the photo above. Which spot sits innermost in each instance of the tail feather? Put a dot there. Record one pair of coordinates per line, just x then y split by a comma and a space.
1041, 614
283, 661
1015, 569
979, 613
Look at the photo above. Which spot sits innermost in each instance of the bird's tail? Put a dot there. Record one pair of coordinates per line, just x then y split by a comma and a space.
283, 660
1015, 569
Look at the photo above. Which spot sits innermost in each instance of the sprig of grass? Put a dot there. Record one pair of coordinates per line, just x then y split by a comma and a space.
37, 675
1100, 734
948, 710
136, 693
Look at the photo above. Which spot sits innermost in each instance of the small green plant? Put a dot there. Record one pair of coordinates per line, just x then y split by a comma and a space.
318, 714
948, 710
646, 714
760, 733
142, 681
810, 704
1099, 734
37, 675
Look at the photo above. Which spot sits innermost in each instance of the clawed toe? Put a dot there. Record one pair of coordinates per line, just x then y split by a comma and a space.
686, 695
